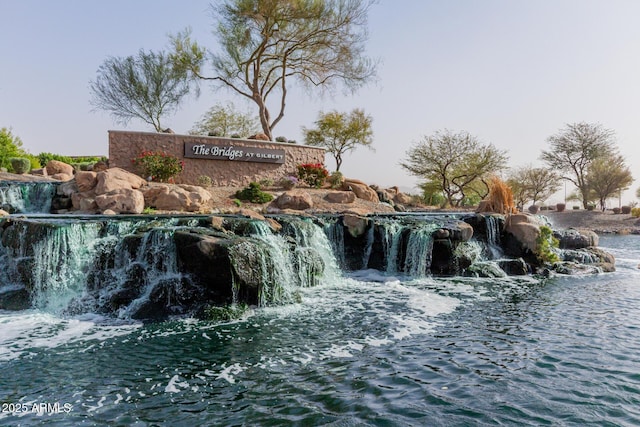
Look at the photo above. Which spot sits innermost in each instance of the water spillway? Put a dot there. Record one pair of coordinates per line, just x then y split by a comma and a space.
27, 197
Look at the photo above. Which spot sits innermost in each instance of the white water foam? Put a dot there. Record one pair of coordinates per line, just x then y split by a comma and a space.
28, 330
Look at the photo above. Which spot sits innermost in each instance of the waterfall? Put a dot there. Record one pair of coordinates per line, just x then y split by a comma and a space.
27, 197
493, 232
334, 231
419, 247
391, 244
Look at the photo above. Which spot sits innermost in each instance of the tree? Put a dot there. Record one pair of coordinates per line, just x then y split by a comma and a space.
340, 133
573, 150
147, 87
10, 146
457, 161
225, 120
267, 44
535, 184
608, 176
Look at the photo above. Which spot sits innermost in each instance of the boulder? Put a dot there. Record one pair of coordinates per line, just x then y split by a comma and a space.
403, 199
122, 200
296, 200
4, 213
343, 197
39, 172
84, 202
167, 197
54, 167
62, 176
361, 190
260, 137
116, 179
576, 239
525, 229
86, 181
250, 213
100, 166
356, 225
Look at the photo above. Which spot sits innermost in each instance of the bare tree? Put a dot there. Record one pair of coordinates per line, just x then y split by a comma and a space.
268, 44
457, 161
340, 133
535, 184
147, 87
573, 150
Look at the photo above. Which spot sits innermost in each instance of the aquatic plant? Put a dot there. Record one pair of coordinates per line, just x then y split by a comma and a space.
545, 243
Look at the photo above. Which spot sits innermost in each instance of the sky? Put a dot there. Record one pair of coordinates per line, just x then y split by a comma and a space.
510, 72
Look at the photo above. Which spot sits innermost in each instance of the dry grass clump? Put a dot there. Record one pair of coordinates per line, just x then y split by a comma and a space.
500, 199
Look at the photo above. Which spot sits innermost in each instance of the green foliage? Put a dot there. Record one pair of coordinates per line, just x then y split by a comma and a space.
574, 149
20, 165
226, 313
44, 158
458, 162
226, 120
35, 162
254, 194
545, 243
314, 174
635, 212
149, 210
265, 47
205, 181
608, 176
237, 202
340, 133
147, 87
281, 139
266, 182
432, 194
532, 184
10, 146
336, 180
160, 166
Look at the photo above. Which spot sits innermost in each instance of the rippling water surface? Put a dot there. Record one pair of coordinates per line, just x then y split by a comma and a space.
367, 350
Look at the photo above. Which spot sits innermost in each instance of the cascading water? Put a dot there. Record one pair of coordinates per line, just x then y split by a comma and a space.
493, 230
419, 247
27, 197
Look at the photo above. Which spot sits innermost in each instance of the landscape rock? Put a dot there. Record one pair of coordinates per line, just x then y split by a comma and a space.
361, 190
86, 181
356, 225
576, 239
403, 199
296, 200
116, 179
54, 167
183, 197
122, 200
62, 176
343, 197
4, 213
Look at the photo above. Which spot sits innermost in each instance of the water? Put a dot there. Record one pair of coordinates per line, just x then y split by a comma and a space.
27, 197
365, 349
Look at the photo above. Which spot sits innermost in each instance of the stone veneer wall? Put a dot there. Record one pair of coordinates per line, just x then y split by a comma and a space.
125, 145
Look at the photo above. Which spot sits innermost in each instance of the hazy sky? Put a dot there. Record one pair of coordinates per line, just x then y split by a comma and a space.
511, 72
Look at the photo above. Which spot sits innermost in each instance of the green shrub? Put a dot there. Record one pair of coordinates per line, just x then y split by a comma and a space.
254, 194
20, 165
267, 182
160, 166
545, 244
226, 313
281, 139
288, 182
314, 174
44, 158
205, 181
10, 146
635, 212
35, 163
336, 179
236, 136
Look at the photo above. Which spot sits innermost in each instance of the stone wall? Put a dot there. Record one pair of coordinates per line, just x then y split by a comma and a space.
125, 146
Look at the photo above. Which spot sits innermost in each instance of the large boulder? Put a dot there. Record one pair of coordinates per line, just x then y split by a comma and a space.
115, 179
361, 190
86, 181
525, 229
167, 197
122, 200
356, 225
54, 167
343, 197
295, 200
576, 239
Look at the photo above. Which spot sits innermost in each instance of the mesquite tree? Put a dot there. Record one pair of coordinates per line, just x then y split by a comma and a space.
574, 149
456, 162
266, 45
147, 87
340, 133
